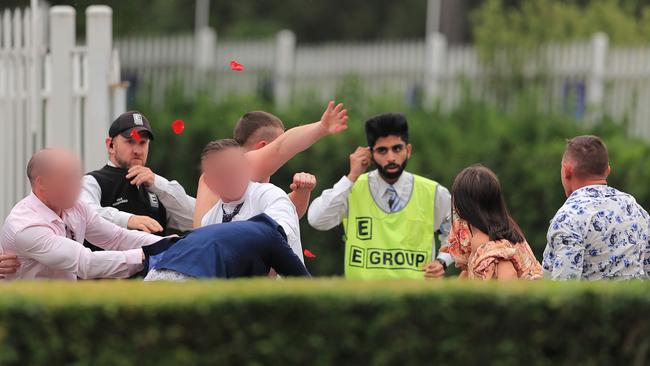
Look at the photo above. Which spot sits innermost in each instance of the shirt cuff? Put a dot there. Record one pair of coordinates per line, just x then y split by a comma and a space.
122, 219
160, 184
134, 260
343, 184
446, 257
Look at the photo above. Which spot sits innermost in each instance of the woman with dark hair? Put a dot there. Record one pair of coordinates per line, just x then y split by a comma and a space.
485, 241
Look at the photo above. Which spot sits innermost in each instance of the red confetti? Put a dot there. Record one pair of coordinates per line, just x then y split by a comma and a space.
135, 135
236, 66
178, 126
309, 254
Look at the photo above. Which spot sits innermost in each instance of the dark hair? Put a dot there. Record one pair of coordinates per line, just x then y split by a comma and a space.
218, 145
387, 124
477, 198
589, 154
250, 122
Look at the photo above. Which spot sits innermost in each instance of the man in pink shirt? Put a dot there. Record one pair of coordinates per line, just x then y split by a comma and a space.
46, 229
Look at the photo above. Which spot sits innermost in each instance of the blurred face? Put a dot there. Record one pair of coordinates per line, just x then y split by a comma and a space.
391, 154
127, 152
227, 173
60, 182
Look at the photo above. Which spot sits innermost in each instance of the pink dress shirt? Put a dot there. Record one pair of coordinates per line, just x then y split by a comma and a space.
50, 247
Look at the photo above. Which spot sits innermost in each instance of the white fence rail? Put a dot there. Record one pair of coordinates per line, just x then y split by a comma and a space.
54, 92
582, 78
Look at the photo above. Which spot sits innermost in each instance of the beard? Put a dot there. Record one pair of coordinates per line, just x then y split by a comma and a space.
383, 170
128, 164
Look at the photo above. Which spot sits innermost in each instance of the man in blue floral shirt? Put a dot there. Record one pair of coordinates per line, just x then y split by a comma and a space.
599, 232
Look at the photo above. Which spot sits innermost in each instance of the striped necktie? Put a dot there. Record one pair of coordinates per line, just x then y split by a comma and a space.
394, 201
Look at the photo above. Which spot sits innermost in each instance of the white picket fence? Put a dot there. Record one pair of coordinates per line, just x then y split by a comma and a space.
582, 78
54, 92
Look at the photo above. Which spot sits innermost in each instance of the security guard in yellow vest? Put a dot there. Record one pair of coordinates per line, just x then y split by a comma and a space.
390, 216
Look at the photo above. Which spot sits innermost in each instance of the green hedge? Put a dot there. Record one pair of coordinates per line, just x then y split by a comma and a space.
324, 322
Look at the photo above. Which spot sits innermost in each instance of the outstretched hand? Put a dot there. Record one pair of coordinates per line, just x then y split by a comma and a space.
335, 119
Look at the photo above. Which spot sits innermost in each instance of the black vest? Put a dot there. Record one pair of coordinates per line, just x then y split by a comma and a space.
119, 193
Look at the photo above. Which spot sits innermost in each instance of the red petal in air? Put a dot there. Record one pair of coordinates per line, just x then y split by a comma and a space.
135, 135
309, 254
236, 66
178, 126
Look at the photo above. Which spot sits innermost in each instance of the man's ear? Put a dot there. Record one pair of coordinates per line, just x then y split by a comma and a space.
567, 170
409, 150
260, 144
609, 170
109, 143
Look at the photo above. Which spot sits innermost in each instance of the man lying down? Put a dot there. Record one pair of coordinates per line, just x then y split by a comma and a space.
236, 249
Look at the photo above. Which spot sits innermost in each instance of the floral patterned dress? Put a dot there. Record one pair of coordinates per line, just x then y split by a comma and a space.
482, 262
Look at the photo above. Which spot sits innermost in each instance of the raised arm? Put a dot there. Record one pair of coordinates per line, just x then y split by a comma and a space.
267, 160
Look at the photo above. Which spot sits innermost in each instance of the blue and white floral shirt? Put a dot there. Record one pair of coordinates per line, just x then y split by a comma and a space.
599, 233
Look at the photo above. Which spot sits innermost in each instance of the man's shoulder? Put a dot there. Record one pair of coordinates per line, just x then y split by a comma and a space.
267, 189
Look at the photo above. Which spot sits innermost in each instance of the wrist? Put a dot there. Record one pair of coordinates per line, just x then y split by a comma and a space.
322, 129
353, 177
444, 264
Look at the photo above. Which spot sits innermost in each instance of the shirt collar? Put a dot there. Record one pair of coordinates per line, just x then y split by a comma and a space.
110, 163
594, 190
43, 210
401, 185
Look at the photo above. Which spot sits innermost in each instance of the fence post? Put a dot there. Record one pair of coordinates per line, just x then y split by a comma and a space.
435, 56
97, 116
6, 71
205, 41
34, 110
18, 118
285, 57
59, 124
118, 87
596, 76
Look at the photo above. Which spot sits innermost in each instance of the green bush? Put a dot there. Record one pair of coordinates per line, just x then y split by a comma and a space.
523, 146
324, 322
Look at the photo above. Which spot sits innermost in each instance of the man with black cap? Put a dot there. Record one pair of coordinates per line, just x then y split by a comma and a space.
126, 192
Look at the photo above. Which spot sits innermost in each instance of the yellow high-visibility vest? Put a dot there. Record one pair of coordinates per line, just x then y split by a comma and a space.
385, 245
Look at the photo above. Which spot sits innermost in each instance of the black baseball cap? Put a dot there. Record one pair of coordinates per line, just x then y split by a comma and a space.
128, 121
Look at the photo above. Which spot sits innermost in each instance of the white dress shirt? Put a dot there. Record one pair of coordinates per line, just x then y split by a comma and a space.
179, 205
328, 210
262, 198
49, 246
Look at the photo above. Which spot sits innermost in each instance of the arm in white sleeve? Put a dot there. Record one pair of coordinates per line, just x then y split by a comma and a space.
442, 222
109, 236
91, 194
279, 207
328, 210
179, 205
41, 244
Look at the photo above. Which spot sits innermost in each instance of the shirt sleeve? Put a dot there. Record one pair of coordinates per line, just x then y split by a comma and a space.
91, 194
279, 207
565, 249
41, 244
179, 205
442, 222
328, 210
109, 236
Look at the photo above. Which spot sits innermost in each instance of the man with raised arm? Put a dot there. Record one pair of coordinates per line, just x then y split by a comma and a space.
266, 161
